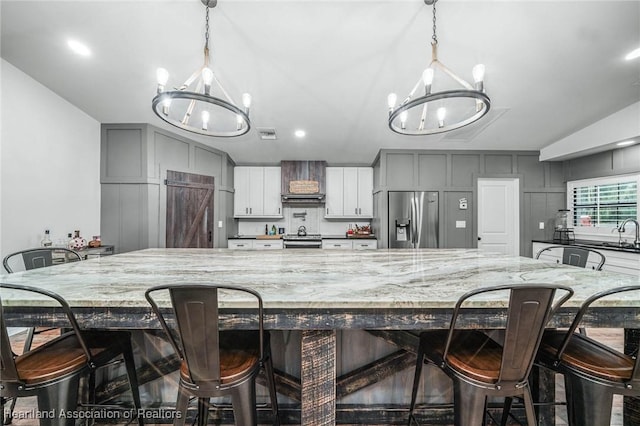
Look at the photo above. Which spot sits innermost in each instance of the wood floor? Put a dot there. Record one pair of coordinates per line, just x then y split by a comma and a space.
26, 407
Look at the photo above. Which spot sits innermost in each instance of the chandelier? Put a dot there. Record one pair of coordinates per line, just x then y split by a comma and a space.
443, 111
198, 105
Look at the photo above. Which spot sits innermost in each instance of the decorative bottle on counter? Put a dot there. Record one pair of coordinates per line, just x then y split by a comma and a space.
77, 242
266, 229
46, 241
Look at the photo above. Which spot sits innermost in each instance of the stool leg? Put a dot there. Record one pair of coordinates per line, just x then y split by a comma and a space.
181, 407
588, 403
505, 411
203, 411
130, 365
268, 369
59, 398
243, 399
528, 406
469, 404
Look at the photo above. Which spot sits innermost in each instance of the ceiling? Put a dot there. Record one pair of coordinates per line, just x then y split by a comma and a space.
552, 67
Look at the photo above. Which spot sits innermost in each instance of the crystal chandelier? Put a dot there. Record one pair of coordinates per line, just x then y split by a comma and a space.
196, 106
443, 111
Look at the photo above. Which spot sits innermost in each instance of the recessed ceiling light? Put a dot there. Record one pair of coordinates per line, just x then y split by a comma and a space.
78, 48
632, 55
300, 133
626, 143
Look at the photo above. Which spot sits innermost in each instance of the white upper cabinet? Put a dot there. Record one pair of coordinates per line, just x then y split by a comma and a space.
257, 192
349, 192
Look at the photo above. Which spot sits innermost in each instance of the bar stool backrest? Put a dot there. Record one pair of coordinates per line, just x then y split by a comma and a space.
197, 315
530, 308
576, 256
38, 257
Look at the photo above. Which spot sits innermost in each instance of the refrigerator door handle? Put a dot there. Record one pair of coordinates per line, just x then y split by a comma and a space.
414, 225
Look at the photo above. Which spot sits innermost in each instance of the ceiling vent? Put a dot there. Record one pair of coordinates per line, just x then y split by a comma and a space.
267, 133
470, 132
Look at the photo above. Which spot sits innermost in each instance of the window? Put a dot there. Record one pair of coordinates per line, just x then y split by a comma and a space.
599, 205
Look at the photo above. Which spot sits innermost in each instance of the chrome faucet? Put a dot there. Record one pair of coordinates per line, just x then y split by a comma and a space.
636, 242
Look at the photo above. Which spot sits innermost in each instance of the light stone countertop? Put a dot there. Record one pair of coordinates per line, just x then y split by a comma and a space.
311, 278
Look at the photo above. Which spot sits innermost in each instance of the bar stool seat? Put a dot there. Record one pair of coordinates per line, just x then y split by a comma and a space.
239, 356
588, 356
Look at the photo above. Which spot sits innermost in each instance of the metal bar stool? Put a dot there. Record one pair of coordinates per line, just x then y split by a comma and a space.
593, 372
576, 256
216, 362
52, 371
35, 258
481, 367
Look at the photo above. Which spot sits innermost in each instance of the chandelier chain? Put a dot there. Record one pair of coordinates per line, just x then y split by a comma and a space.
206, 33
434, 37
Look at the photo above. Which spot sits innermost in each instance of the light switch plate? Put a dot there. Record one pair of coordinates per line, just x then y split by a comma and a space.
461, 223
541, 225
219, 224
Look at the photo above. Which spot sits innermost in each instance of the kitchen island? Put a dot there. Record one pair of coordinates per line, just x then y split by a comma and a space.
319, 293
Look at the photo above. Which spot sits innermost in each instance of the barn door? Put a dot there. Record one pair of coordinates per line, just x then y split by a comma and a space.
189, 210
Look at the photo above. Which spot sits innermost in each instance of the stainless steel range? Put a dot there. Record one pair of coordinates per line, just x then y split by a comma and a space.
302, 241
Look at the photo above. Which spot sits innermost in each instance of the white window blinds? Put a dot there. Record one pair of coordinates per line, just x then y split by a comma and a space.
604, 204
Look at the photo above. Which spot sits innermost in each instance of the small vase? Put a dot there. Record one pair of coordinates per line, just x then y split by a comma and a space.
77, 242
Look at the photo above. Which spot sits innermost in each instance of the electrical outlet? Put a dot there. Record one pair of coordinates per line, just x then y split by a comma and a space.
219, 224
541, 225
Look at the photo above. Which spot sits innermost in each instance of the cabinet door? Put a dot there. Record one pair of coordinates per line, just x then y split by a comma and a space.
242, 187
256, 191
365, 191
350, 191
272, 198
334, 200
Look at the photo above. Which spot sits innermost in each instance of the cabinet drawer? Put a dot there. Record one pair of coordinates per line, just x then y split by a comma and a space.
365, 244
337, 245
240, 244
268, 245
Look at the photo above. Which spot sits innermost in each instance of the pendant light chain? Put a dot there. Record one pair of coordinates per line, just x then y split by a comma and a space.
206, 36
434, 37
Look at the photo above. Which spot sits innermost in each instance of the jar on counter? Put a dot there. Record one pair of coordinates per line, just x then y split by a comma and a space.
77, 242
562, 219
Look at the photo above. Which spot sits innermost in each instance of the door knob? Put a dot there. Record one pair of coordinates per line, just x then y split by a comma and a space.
479, 238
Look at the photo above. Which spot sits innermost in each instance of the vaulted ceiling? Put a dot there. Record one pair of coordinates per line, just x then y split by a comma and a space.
552, 67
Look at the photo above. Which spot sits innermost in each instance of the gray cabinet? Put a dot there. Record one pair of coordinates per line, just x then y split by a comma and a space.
133, 166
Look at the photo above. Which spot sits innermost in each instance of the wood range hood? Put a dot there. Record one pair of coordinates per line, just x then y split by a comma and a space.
303, 182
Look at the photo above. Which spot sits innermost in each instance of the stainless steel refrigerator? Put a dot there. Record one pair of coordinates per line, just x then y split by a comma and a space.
413, 219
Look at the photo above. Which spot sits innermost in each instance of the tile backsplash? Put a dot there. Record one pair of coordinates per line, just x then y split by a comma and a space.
294, 217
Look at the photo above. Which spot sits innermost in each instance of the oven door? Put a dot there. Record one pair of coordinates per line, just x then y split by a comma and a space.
302, 243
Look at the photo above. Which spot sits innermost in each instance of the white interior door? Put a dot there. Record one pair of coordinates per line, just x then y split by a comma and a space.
499, 215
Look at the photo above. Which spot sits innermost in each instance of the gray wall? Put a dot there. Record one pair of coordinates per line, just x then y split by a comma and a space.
616, 162
454, 175
134, 161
